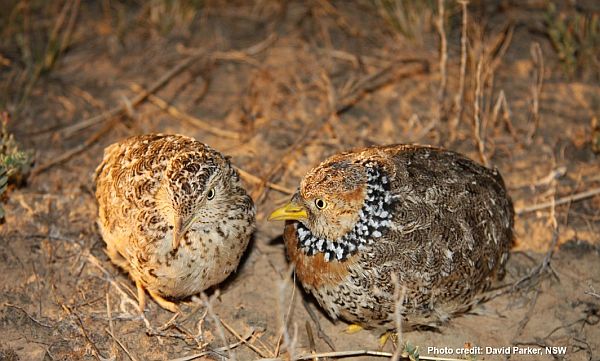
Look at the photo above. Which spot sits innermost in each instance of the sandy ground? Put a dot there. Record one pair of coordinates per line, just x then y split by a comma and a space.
279, 88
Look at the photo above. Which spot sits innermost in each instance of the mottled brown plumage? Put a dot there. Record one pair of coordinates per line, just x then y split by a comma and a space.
420, 224
173, 214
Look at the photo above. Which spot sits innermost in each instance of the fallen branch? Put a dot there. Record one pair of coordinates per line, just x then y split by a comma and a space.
184, 64
131, 357
354, 353
366, 85
28, 315
216, 350
178, 114
572, 198
252, 178
122, 109
240, 338
73, 152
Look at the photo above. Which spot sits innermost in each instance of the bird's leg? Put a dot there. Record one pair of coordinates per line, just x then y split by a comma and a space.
353, 328
167, 305
383, 339
141, 296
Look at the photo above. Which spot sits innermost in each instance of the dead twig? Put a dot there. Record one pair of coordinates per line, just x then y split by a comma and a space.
131, 357
218, 323
215, 350
354, 353
260, 352
571, 198
366, 85
73, 152
320, 331
164, 79
443, 52
28, 315
122, 109
536, 90
178, 114
111, 326
375, 81
96, 352
254, 179
458, 99
502, 103
283, 336
478, 128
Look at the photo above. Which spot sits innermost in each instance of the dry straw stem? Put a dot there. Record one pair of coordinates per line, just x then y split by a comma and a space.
399, 296
131, 357
111, 325
126, 298
441, 96
178, 114
320, 331
537, 271
54, 47
164, 79
571, 198
254, 179
356, 353
458, 99
254, 348
443, 52
40, 323
365, 85
74, 151
501, 103
536, 89
245, 338
284, 336
478, 128
220, 329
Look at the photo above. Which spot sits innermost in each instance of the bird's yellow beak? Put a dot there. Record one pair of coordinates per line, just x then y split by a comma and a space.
291, 211
180, 227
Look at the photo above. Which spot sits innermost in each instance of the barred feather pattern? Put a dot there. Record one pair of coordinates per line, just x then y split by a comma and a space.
448, 235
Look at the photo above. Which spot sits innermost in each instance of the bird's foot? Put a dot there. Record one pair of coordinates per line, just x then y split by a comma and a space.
141, 296
353, 328
167, 305
383, 339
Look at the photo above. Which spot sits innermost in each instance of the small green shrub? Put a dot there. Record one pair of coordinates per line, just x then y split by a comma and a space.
15, 164
576, 40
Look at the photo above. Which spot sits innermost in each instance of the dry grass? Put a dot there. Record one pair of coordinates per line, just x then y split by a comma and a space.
279, 86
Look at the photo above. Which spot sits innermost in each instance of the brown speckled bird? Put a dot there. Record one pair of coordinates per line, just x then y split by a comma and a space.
173, 214
418, 224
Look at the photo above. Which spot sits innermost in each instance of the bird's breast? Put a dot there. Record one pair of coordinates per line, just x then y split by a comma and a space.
313, 271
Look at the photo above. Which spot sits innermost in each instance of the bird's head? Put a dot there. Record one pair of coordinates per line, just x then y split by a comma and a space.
329, 199
193, 191
342, 205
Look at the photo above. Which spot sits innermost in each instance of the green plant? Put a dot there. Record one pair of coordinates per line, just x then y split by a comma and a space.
167, 16
15, 164
42, 32
575, 38
408, 17
410, 351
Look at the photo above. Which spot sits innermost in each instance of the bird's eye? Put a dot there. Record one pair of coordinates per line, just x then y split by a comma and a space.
320, 203
211, 194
